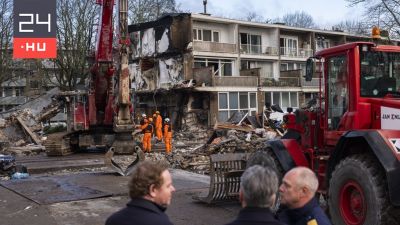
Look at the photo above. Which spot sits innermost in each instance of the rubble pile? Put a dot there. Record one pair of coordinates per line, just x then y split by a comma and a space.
21, 129
192, 130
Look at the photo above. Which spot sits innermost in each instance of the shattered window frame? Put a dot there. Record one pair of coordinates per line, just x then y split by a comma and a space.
220, 69
269, 97
225, 113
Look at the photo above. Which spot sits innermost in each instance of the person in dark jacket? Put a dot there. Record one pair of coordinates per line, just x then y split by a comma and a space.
258, 188
299, 205
150, 189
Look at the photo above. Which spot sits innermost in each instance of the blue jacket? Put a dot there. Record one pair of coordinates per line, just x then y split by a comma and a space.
301, 216
255, 216
139, 212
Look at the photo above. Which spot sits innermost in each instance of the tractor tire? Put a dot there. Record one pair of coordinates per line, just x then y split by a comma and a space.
266, 157
357, 192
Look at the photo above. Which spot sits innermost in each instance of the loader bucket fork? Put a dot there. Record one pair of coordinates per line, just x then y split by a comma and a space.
110, 162
225, 173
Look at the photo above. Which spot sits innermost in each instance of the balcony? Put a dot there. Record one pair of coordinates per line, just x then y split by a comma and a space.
206, 46
205, 76
258, 50
281, 82
296, 52
313, 83
236, 81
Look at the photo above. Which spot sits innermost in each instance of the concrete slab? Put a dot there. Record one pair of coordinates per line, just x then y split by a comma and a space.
43, 163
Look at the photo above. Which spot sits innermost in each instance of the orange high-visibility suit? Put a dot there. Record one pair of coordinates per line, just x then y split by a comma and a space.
158, 125
148, 133
168, 137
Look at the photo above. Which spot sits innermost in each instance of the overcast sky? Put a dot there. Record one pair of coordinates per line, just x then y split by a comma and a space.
324, 12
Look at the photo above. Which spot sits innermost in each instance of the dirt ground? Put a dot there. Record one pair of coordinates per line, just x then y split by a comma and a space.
17, 209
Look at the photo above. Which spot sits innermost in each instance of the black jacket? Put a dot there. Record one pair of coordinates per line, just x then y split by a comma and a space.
139, 212
301, 216
255, 216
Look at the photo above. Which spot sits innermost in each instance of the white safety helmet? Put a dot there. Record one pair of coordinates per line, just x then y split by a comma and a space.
144, 115
167, 120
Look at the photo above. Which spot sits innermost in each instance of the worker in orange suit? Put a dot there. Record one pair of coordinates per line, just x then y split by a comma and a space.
148, 133
168, 136
158, 125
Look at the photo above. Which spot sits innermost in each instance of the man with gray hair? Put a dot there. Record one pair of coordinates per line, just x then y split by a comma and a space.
257, 195
297, 195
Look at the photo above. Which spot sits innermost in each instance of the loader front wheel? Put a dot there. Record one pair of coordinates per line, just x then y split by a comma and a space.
357, 192
266, 157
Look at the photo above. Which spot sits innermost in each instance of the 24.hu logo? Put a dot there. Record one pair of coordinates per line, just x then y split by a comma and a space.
35, 29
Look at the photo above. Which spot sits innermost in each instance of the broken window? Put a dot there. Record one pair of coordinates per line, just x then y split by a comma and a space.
238, 101
283, 99
222, 67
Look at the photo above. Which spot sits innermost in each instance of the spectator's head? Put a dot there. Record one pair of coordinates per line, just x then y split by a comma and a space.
152, 181
258, 187
298, 187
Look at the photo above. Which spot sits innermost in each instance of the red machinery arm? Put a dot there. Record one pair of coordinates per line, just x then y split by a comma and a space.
112, 102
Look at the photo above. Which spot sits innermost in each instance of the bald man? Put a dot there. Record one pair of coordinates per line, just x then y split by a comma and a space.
297, 192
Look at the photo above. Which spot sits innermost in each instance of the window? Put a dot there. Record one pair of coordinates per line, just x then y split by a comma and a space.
288, 46
322, 43
380, 73
337, 90
250, 43
19, 91
283, 99
34, 84
215, 36
205, 35
222, 67
288, 66
232, 102
8, 91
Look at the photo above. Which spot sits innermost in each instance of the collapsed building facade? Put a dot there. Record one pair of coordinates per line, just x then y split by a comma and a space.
207, 68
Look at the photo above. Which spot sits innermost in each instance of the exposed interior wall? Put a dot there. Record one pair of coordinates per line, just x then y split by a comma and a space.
213, 108
174, 104
161, 56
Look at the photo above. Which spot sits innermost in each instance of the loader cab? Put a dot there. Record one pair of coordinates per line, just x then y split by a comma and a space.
379, 73
358, 79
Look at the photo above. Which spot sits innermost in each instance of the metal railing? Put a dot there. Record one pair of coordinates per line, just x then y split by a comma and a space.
296, 52
258, 50
206, 46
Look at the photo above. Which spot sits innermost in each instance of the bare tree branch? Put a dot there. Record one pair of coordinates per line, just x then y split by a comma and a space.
6, 32
297, 19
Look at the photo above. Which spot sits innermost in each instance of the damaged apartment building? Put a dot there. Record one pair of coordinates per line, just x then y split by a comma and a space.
211, 67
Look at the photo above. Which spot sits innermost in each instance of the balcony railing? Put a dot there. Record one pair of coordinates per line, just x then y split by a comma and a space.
281, 82
236, 81
313, 83
258, 50
296, 52
206, 46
